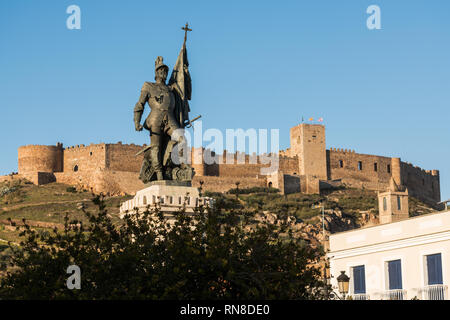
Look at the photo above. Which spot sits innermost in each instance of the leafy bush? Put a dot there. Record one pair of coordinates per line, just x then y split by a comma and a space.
211, 254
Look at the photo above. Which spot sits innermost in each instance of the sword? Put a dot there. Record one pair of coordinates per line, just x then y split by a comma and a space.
188, 123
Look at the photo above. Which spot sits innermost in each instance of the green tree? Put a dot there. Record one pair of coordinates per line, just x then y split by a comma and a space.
211, 254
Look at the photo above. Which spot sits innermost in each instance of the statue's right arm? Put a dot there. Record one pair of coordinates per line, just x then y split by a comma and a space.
139, 109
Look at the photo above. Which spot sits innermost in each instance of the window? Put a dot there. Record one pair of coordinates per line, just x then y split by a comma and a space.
341, 163
384, 204
75, 169
90, 153
399, 203
434, 269
395, 274
360, 165
389, 168
375, 167
144, 200
359, 280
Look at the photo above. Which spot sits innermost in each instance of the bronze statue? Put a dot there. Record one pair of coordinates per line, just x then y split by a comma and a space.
169, 112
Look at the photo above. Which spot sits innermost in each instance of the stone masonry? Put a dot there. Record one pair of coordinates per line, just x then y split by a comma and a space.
304, 167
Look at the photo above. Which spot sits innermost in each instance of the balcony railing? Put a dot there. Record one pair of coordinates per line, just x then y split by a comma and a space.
397, 294
360, 296
434, 292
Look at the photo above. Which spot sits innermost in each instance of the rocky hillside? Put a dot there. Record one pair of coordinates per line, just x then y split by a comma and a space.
45, 207
343, 209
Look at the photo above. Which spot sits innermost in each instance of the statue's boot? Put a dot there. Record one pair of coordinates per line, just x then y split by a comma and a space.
156, 162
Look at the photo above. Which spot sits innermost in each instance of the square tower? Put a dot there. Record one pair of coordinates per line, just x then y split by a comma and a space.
393, 206
308, 144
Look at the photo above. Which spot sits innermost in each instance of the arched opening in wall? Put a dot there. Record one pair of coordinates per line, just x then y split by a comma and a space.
75, 168
341, 163
270, 184
90, 153
144, 200
384, 204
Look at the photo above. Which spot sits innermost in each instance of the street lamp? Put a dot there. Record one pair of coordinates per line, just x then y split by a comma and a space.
343, 281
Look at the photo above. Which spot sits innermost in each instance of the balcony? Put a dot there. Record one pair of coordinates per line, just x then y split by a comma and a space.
397, 294
434, 292
361, 296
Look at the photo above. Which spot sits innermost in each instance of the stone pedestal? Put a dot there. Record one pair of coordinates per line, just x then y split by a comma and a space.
168, 194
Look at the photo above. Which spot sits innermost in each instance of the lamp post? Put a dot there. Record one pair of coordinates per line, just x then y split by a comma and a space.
343, 281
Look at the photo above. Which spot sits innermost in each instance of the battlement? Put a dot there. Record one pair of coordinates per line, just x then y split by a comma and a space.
342, 150
116, 166
432, 172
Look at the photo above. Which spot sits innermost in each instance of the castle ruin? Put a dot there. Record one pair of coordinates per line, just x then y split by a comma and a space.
307, 166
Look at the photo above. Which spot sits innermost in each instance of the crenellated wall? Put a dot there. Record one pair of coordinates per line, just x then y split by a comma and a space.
359, 170
83, 158
114, 168
422, 184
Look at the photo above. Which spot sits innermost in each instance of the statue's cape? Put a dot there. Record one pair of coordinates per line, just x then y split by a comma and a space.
180, 81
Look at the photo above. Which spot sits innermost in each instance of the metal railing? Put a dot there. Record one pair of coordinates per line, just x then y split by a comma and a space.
397, 294
360, 296
434, 292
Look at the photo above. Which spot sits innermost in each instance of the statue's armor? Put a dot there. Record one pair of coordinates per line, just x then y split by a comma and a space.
161, 120
162, 103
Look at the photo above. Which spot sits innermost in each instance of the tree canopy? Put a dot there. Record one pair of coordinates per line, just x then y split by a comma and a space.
211, 254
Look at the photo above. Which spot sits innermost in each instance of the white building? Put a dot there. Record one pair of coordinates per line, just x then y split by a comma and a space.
398, 260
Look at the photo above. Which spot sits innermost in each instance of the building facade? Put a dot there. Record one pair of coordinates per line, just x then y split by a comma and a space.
402, 260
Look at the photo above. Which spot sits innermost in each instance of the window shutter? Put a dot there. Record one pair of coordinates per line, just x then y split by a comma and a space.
395, 274
434, 268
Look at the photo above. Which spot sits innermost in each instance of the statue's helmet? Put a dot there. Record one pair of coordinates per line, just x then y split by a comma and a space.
160, 64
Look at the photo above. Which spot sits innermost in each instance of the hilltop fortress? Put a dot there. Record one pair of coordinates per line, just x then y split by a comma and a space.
307, 166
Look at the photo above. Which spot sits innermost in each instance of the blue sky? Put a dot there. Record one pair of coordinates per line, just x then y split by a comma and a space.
254, 64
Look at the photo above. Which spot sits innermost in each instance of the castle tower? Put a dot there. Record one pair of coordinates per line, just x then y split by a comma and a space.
436, 187
197, 161
38, 158
396, 171
393, 204
308, 143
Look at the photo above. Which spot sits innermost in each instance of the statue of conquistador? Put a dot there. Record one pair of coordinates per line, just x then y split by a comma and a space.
169, 112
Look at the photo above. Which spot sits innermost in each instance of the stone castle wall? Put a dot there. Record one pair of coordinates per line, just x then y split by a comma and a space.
83, 158
122, 157
359, 170
422, 184
35, 158
114, 168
